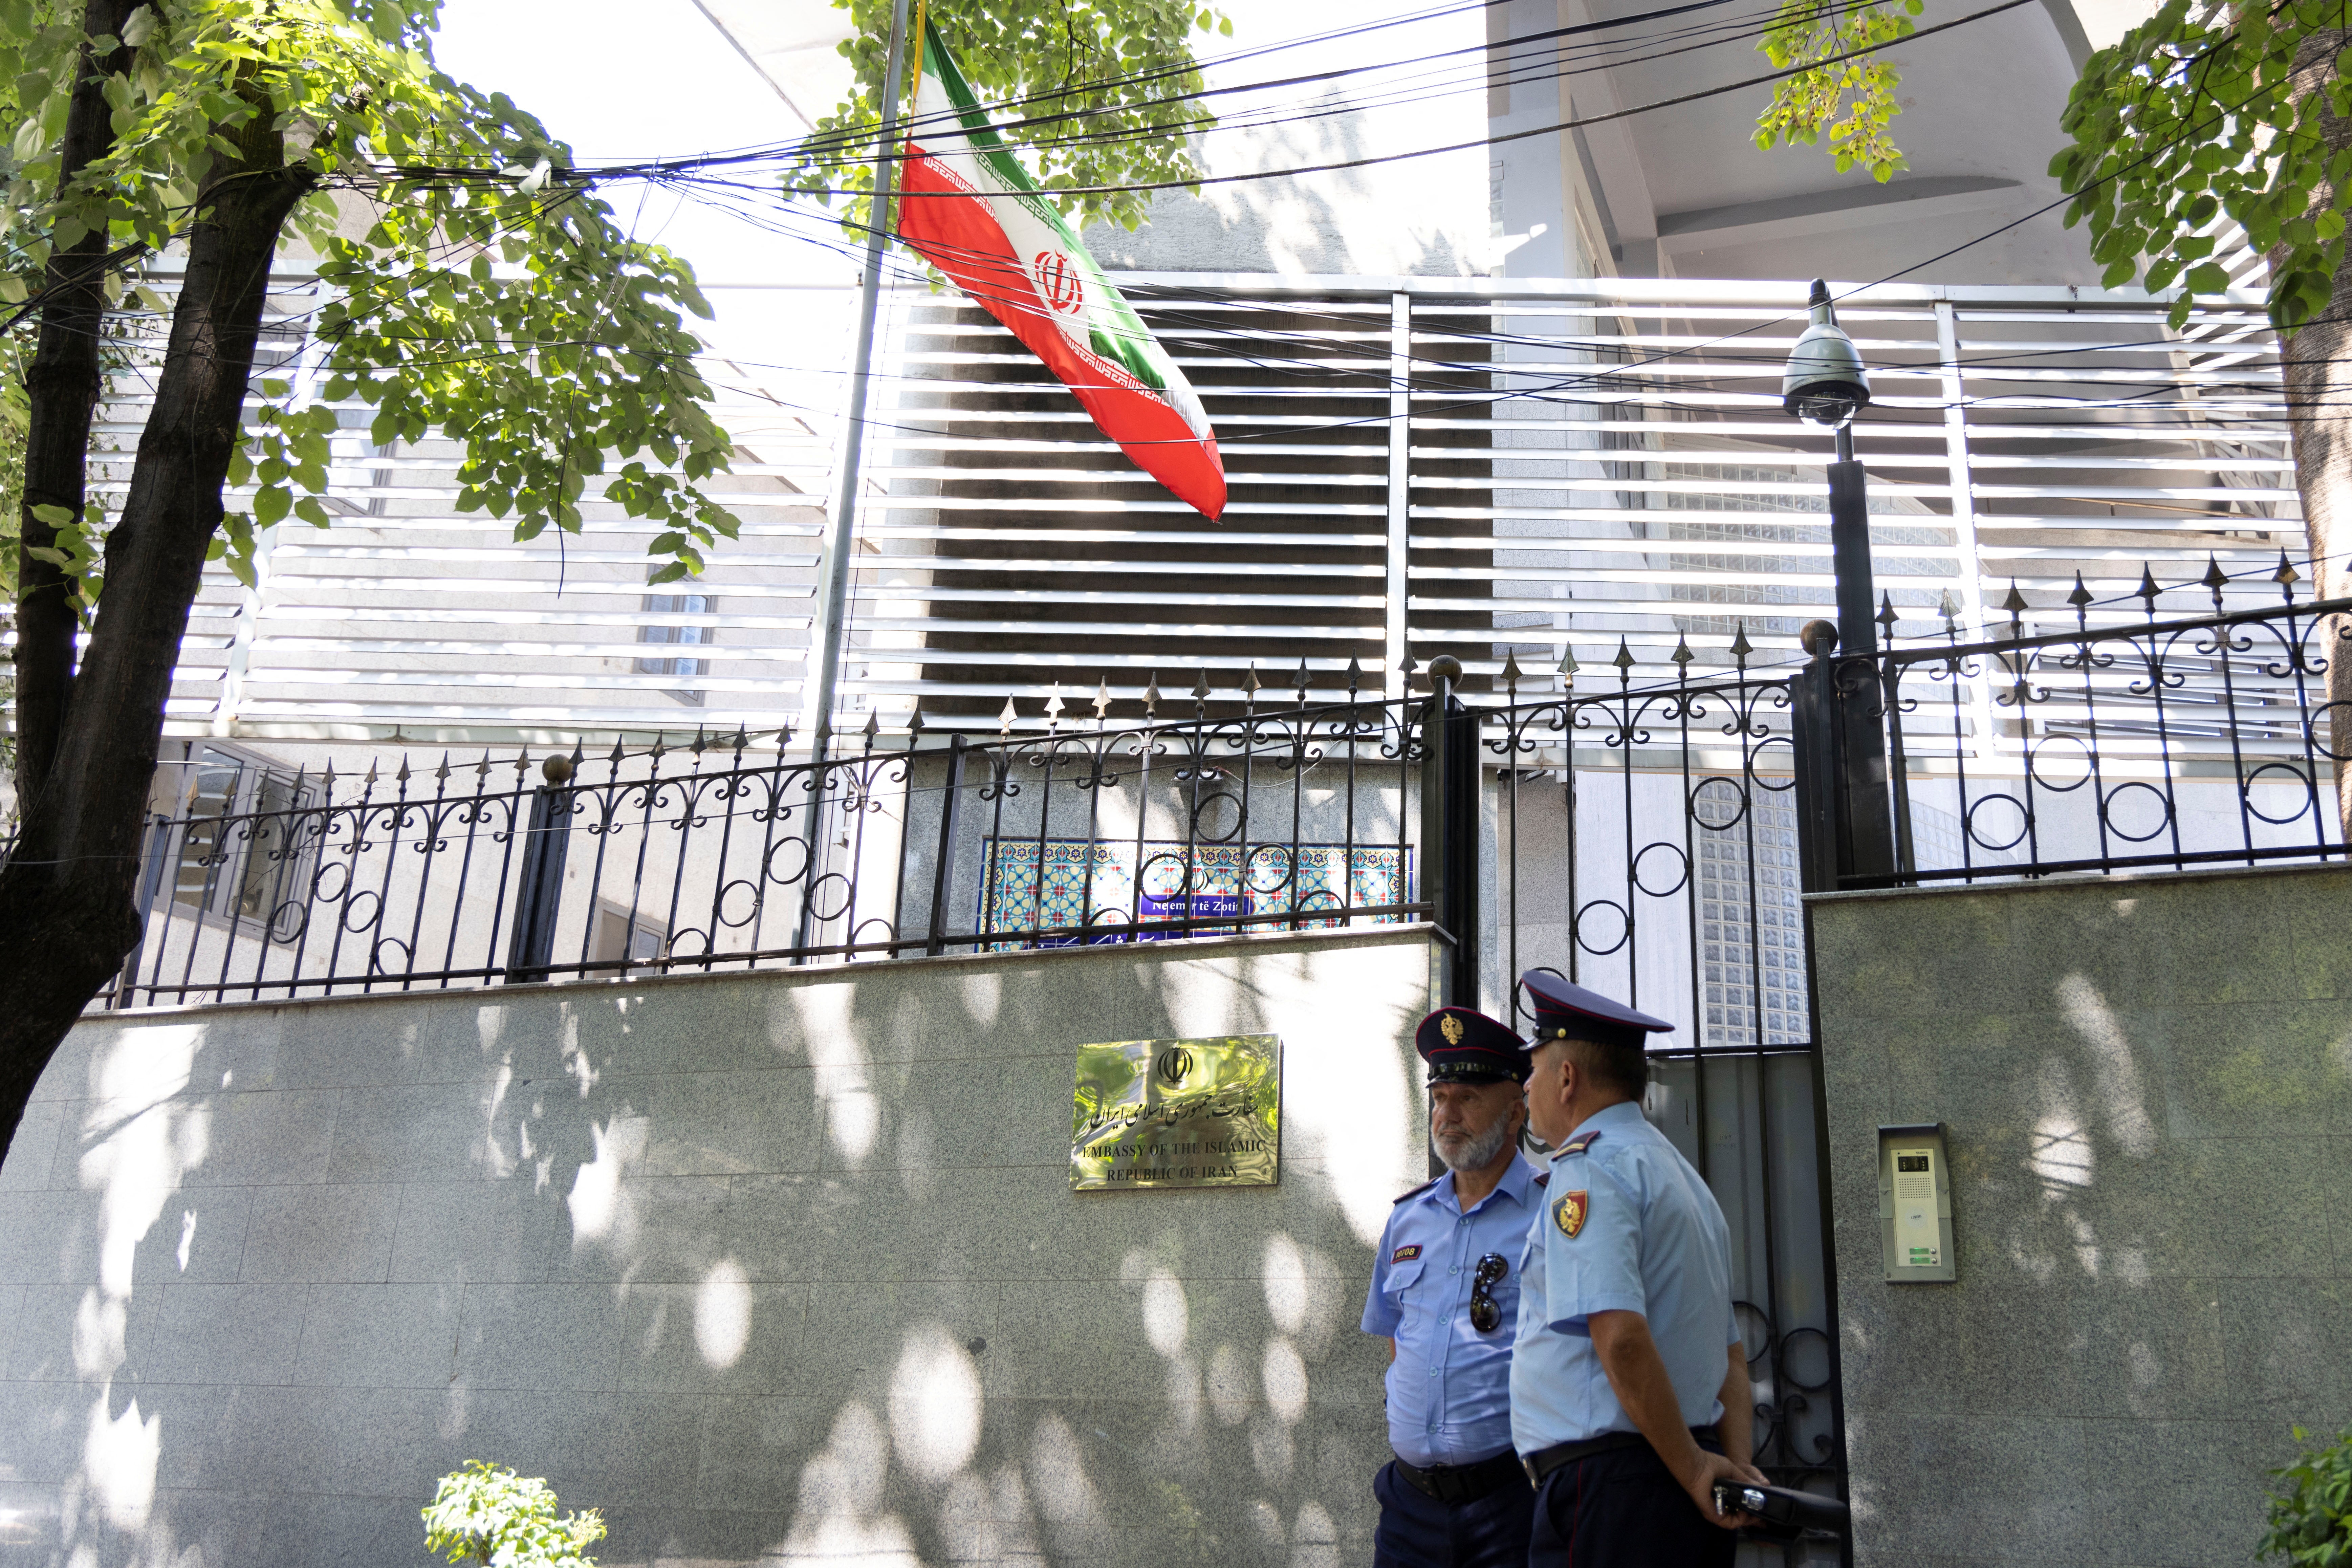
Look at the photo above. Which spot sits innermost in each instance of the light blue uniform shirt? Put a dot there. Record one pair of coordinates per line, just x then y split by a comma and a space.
1649, 1239
1450, 1385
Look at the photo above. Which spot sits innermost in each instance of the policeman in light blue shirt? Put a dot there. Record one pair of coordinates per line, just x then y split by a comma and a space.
1445, 1293
1629, 1384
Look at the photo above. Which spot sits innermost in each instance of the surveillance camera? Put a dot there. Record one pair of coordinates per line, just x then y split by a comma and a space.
1825, 383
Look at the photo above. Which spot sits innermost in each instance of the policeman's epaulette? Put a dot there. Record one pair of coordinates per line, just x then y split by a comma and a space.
1576, 1145
1543, 1178
1418, 1190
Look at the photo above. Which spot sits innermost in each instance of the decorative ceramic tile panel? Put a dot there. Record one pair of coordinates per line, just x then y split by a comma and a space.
1095, 884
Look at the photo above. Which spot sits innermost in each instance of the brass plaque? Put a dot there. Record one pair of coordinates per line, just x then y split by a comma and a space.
1178, 1113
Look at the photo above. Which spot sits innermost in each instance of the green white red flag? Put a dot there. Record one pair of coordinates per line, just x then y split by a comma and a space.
970, 210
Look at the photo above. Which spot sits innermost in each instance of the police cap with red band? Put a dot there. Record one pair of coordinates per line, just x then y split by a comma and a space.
1462, 1045
1569, 1012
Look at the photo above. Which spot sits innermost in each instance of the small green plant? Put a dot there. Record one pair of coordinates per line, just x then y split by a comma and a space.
2311, 1514
487, 1515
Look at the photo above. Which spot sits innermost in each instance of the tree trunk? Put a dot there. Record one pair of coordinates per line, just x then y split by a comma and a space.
67, 913
2319, 413
62, 390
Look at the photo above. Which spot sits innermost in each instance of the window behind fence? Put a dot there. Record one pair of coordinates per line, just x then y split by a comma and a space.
244, 854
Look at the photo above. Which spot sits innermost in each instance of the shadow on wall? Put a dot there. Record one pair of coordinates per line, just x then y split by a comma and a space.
775, 1268
2146, 1097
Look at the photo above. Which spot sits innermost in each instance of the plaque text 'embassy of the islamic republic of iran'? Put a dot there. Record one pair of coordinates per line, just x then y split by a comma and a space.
1178, 1113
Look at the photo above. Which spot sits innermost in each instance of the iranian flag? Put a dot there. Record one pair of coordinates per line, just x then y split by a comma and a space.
970, 211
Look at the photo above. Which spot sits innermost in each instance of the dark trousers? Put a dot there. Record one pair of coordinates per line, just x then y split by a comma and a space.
1624, 1509
1416, 1531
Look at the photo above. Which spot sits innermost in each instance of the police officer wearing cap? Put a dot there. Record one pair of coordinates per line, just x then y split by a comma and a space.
1629, 1385
1445, 1294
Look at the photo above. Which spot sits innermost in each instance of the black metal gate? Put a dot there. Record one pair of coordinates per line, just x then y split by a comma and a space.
1648, 843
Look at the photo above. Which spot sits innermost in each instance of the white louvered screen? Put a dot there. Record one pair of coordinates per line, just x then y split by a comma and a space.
1421, 465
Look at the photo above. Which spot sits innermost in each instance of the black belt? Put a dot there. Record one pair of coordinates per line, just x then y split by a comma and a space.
1544, 1461
1462, 1483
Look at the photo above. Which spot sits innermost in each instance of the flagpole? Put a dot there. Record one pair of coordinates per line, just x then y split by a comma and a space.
833, 575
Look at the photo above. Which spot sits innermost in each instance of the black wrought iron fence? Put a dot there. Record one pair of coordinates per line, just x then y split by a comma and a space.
478, 873
1677, 805
2142, 740
1289, 816
1647, 845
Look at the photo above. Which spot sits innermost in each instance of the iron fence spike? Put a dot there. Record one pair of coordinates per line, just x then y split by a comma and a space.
2286, 572
1151, 695
1200, 686
521, 762
1102, 700
1004, 719
369, 779
742, 739
1510, 670
1886, 617
1355, 674
1740, 646
1682, 655
1947, 608
872, 724
914, 723
1568, 667
2080, 597
1625, 660
617, 754
443, 770
2015, 603
2215, 578
482, 768
1407, 665
2147, 589
1300, 679
1250, 682
697, 740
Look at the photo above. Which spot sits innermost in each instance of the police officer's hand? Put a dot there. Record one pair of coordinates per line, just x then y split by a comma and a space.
1700, 1485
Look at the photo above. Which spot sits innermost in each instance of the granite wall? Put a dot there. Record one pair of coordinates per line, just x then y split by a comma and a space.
2147, 1086
770, 1266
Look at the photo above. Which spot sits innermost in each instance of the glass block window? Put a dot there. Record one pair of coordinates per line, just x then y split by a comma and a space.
1751, 925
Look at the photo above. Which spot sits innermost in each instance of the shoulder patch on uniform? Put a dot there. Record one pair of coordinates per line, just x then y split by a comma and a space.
1543, 1178
1569, 1213
1418, 1191
1578, 1145
1405, 1254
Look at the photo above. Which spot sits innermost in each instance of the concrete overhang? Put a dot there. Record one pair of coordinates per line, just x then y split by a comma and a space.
1844, 206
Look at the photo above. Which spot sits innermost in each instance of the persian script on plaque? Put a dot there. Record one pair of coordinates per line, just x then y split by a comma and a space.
1178, 1113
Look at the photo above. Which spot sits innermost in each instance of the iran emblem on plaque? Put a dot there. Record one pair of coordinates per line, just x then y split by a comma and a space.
1177, 1113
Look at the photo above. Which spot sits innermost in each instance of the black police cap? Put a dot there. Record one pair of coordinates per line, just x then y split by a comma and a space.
1569, 1012
1462, 1045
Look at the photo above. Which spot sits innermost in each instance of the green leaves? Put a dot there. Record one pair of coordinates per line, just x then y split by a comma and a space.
485, 1514
2202, 115
1851, 102
79, 550
514, 315
1121, 68
2310, 1524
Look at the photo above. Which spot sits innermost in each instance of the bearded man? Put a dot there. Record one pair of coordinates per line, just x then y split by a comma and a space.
1446, 1295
